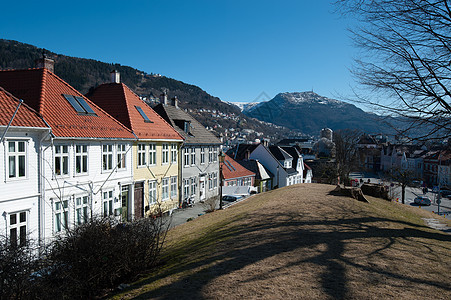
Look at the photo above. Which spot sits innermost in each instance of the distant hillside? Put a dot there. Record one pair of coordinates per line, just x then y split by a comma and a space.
310, 112
84, 74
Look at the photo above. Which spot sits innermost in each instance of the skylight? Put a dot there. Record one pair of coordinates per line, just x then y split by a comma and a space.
79, 104
85, 105
229, 164
141, 112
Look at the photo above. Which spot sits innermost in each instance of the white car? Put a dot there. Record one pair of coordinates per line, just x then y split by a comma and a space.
421, 200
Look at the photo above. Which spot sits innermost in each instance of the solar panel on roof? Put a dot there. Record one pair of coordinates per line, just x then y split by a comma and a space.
85, 105
74, 104
141, 112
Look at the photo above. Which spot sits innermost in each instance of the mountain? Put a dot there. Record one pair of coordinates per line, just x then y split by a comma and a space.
309, 112
86, 74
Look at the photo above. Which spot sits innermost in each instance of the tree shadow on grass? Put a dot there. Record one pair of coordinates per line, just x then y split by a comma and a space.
243, 245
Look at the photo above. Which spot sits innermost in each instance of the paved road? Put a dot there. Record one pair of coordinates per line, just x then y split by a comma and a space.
411, 193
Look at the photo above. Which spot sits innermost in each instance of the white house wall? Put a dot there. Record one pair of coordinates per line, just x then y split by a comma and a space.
92, 184
21, 194
267, 160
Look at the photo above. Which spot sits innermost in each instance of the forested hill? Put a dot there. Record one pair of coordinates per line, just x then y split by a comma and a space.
84, 74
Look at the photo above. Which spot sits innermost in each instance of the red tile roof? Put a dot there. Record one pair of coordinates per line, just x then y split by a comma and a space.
43, 91
25, 117
120, 102
232, 169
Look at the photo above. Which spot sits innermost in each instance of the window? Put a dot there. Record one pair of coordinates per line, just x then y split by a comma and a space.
121, 156
202, 155
210, 154
152, 154
107, 203
215, 154
173, 187
107, 157
79, 104
61, 160
165, 154
152, 192
185, 188
81, 159
193, 186
210, 181
81, 210
193, 156
61, 215
141, 112
17, 159
174, 153
141, 155
186, 157
215, 180
18, 228
165, 189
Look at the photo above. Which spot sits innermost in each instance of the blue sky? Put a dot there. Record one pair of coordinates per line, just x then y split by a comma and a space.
234, 50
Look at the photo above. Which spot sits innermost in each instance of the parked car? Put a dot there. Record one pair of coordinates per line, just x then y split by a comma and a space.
229, 198
420, 200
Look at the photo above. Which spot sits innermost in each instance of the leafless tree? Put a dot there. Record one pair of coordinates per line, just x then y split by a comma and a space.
405, 62
346, 151
402, 178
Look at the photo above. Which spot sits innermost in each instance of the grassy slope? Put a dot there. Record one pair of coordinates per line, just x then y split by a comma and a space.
301, 242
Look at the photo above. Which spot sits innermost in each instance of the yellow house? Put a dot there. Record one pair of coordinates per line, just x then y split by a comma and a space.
155, 152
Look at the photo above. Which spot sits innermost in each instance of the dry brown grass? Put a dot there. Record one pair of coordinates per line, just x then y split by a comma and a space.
300, 242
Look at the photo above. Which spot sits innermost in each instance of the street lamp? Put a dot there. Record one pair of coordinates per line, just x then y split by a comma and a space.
221, 157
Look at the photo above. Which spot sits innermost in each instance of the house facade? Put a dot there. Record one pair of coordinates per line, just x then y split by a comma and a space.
236, 177
85, 167
199, 167
22, 131
156, 152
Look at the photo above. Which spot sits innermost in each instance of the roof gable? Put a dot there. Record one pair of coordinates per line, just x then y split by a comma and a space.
124, 105
44, 91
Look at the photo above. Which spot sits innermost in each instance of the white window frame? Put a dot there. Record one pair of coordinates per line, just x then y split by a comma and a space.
185, 188
215, 180
121, 156
193, 156
141, 158
153, 197
210, 154
62, 157
202, 155
152, 154
174, 153
165, 154
192, 186
81, 209
61, 214
81, 157
107, 203
174, 187
215, 154
107, 157
186, 153
165, 189
18, 226
16, 155
210, 181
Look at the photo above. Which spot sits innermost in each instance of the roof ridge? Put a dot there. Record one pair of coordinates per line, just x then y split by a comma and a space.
123, 86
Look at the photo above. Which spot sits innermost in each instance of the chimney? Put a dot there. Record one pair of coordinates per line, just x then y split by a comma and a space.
164, 98
45, 62
265, 142
115, 76
175, 102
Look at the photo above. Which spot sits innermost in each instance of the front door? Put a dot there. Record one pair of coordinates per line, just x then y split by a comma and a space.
139, 199
202, 188
124, 203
